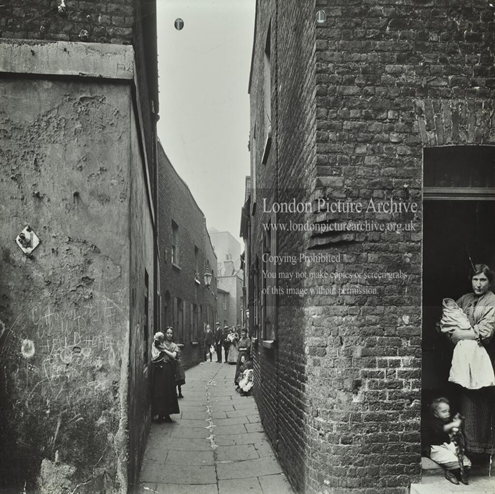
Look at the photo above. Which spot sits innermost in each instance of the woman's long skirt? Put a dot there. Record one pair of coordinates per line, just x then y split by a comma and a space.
164, 395
478, 409
241, 352
233, 354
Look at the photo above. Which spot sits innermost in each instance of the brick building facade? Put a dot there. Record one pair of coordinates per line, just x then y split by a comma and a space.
77, 165
367, 130
186, 254
228, 251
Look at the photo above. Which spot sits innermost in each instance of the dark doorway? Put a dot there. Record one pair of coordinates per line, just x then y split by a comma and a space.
458, 226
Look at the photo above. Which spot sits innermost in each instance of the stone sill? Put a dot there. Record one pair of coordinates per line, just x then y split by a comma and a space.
67, 58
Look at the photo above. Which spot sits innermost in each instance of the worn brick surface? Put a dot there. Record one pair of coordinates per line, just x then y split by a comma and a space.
176, 203
104, 21
355, 101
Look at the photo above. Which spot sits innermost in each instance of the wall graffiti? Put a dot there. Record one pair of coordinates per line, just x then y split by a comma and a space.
72, 341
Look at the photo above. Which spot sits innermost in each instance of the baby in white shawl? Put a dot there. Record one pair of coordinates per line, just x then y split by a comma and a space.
471, 366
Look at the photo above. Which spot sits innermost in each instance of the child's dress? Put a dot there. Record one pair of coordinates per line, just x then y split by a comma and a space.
471, 366
246, 383
442, 449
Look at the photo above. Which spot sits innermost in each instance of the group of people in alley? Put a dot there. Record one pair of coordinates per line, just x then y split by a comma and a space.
168, 371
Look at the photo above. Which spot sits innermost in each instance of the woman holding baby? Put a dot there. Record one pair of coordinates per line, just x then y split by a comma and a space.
477, 402
163, 354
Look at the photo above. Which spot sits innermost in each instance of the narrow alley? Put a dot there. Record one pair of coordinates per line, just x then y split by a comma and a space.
215, 446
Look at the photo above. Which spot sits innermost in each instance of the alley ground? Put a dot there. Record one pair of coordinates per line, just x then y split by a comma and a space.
215, 446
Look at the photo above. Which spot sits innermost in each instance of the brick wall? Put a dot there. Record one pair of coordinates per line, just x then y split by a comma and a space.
176, 203
382, 70
92, 20
280, 370
356, 101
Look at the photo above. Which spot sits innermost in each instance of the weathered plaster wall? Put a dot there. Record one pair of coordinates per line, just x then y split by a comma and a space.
64, 310
141, 241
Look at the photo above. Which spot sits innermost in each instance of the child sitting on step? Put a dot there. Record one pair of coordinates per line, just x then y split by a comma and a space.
445, 442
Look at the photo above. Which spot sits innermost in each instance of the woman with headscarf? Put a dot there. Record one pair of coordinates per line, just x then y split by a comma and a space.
163, 355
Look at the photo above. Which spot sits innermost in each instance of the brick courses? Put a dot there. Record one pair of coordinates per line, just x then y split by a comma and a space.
176, 203
105, 22
355, 101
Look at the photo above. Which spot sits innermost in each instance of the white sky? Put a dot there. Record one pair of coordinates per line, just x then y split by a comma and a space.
204, 104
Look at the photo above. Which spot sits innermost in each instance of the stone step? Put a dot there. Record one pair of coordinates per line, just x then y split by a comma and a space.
439, 485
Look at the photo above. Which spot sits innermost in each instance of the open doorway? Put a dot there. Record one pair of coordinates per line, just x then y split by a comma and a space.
458, 226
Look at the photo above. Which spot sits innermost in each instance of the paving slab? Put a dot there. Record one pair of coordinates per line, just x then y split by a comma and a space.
184, 444
264, 449
192, 422
234, 439
222, 408
248, 468
236, 453
243, 486
237, 413
438, 485
189, 407
215, 446
190, 432
191, 457
186, 489
231, 421
196, 415
254, 427
223, 430
185, 474
275, 484
245, 405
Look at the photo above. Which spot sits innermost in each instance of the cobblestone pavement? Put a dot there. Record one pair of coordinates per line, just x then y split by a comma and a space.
215, 446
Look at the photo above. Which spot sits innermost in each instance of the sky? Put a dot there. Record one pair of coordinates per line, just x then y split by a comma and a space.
204, 102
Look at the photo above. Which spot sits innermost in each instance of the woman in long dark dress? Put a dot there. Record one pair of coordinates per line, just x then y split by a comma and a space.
478, 406
244, 348
163, 355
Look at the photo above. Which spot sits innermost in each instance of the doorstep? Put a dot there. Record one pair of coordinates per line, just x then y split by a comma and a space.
434, 482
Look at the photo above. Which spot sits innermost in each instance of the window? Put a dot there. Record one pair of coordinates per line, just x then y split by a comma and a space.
166, 311
265, 321
179, 319
175, 243
256, 298
196, 265
253, 169
267, 87
146, 317
194, 322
